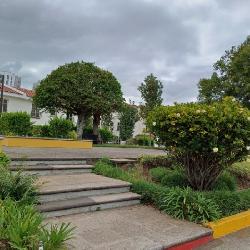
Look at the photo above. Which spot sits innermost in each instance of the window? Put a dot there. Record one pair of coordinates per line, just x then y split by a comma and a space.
118, 126
5, 105
35, 112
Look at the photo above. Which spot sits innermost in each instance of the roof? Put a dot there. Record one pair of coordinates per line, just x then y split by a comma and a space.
28, 92
18, 91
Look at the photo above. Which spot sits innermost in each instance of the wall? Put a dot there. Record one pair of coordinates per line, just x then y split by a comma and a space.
138, 129
24, 104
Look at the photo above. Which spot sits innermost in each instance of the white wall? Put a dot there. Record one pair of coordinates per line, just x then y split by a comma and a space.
138, 129
24, 104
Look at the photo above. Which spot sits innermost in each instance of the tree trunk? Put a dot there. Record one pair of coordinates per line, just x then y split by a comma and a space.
80, 125
96, 123
202, 171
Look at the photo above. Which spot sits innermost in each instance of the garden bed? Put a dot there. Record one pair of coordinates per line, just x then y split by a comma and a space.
180, 202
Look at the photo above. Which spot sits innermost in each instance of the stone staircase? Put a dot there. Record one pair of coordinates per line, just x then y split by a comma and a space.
69, 187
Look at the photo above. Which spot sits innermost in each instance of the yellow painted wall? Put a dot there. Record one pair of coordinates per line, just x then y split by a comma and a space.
30, 142
230, 224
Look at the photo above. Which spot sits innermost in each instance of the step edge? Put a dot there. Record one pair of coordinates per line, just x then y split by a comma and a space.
91, 203
49, 168
83, 189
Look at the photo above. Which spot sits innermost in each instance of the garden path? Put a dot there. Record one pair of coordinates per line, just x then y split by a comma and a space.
96, 152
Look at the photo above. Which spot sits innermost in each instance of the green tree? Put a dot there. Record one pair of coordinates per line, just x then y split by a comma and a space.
80, 89
108, 97
128, 117
211, 89
151, 93
232, 77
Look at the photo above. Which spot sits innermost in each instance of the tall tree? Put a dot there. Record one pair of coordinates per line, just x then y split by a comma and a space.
128, 117
77, 88
233, 71
151, 93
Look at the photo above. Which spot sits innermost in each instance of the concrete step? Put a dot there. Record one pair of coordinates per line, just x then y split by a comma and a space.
53, 169
24, 162
88, 204
64, 187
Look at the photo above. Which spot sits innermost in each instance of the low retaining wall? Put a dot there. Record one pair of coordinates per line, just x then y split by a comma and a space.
33, 142
229, 224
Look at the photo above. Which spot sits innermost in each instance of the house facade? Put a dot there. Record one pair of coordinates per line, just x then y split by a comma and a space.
20, 100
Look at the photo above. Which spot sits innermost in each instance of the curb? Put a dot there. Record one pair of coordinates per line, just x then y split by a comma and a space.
189, 245
229, 224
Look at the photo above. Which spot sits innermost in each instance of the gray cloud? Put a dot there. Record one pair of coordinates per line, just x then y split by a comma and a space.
177, 40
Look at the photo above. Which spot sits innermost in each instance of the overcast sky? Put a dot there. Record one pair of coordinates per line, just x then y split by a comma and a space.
177, 40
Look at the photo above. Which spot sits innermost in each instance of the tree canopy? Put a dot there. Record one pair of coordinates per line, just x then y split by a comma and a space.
81, 89
231, 77
151, 93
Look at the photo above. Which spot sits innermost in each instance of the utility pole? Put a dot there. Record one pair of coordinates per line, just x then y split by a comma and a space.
1, 98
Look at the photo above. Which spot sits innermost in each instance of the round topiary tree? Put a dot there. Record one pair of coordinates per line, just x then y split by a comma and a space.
204, 138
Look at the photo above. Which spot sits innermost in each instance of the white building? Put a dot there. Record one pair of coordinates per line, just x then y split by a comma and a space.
11, 79
20, 99
138, 129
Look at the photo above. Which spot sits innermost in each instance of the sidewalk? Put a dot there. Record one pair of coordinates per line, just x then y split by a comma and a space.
132, 228
97, 152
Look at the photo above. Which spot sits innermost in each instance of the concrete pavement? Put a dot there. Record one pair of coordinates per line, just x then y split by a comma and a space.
94, 153
132, 228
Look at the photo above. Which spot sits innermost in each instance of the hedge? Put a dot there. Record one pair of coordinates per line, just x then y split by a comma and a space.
15, 123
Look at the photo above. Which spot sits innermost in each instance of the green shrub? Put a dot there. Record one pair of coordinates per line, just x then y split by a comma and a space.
205, 138
106, 135
149, 161
72, 135
21, 228
45, 131
144, 140
241, 170
20, 225
158, 173
15, 123
55, 236
150, 193
104, 167
40, 131
17, 186
60, 127
175, 178
225, 182
4, 160
36, 130
189, 205
230, 202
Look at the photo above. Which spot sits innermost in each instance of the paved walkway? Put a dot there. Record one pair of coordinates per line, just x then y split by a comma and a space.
235, 241
132, 228
97, 152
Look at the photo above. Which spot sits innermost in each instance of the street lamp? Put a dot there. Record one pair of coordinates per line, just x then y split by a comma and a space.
1, 98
